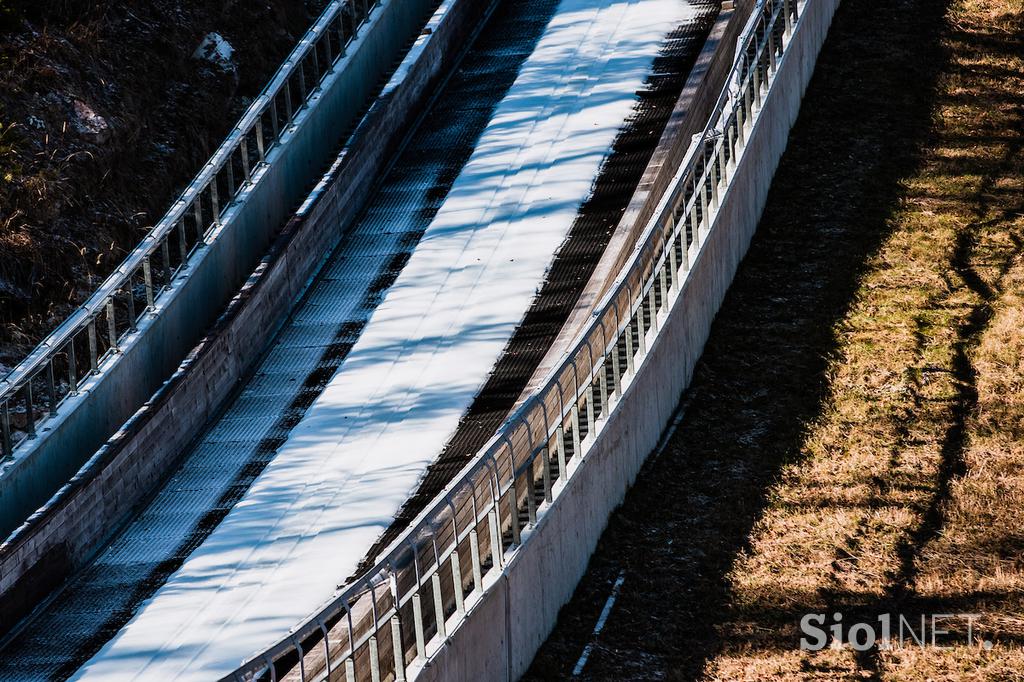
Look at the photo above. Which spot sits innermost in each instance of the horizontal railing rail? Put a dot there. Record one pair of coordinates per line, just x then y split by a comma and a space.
77, 349
398, 613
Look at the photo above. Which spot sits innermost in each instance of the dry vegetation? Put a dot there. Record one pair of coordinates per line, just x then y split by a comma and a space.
877, 465
909, 493
76, 193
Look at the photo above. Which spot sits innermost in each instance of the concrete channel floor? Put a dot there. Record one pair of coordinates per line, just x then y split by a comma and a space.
240, 444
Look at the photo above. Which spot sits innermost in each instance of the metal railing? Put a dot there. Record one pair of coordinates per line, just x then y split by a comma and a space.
55, 370
400, 611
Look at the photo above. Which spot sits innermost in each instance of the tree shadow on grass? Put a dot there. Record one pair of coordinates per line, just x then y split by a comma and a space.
763, 375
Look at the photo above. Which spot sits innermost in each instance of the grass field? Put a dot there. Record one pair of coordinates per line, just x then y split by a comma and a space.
854, 436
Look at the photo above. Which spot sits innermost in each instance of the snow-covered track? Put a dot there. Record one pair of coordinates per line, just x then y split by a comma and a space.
439, 602
62, 536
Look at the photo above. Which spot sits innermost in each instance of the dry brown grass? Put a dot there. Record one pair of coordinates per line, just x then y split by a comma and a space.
852, 436
909, 493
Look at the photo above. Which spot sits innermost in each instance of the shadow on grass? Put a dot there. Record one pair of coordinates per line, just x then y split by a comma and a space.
762, 378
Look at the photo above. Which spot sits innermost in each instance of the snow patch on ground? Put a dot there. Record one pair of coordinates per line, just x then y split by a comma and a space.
215, 50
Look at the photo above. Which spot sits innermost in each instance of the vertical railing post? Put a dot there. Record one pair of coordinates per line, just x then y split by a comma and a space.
72, 368
641, 328
396, 647
355, 23
435, 582
574, 423
51, 379
652, 303
30, 409
474, 554
714, 175
545, 473
560, 450
513, 509
327, 647
111, 325
215, 199
327, 50
93, 350
243, 148
741, 121
663, 276
232, 186
303, 93
756, 68
748, 95
165, 250
289, 108
350, 665
460, 598
182, 243
342, 38
629, 349
261, 149
723, 164
5, 430
417, 621
314, 52
616, 370
374, 658
531, 502
496, 549
589, 404
673, 262
197, 210
702, 188
302, 658
147, 278
275, 123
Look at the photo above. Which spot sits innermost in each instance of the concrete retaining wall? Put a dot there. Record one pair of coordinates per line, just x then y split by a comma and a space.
214, 274
513, 617
68, 529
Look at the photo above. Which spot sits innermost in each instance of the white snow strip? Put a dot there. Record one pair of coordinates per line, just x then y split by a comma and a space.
581, 662
364, 445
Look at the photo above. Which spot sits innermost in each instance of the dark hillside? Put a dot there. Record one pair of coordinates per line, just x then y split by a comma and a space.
105, 115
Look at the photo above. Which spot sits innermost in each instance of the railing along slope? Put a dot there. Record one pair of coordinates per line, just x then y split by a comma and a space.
390, 620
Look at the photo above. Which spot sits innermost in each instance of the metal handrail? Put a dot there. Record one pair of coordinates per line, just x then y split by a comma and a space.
418, 586
95, 331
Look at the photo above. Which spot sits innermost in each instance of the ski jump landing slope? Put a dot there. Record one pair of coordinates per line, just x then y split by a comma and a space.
363, 445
